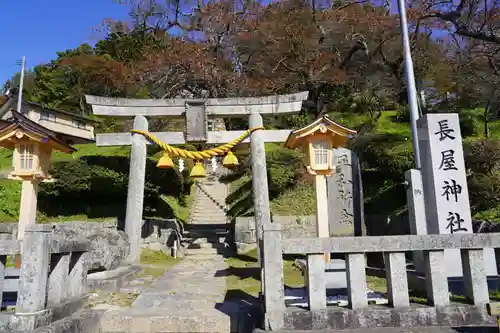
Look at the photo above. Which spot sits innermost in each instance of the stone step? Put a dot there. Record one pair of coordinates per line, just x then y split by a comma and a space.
214, 194
206, 213
165, 320
220, 246
208, 205
205, 240
215, 188
204, 257
190, 237
203, 251
198, 218
208, 219
212, 209
209, 209
179, 301
208, 234
212, 190
201, 213
215, 198
207, 187
209, 212
207, 231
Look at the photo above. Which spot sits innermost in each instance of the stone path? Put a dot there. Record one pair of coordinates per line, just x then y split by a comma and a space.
187, 298
190, 296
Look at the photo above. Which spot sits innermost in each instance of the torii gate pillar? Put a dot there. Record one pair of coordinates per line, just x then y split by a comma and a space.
135, 191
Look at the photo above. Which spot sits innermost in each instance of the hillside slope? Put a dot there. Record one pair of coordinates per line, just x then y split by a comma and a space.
55, 206
384, 193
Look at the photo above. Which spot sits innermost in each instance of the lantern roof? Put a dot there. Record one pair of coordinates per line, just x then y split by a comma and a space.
10, 129
321, 126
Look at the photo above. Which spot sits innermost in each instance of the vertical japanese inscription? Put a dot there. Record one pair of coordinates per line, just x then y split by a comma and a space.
451, 188
344, 189
345, 203
445, 170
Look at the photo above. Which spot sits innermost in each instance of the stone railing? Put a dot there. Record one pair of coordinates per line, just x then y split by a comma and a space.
52, 282
437, 312
221, 205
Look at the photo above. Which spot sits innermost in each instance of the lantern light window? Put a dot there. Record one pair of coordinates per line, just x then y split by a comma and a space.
26, 156
321, 148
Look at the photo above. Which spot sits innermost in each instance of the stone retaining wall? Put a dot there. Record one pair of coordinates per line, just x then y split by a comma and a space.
108, 245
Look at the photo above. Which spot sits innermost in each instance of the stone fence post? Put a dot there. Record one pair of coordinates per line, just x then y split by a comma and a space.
33, 279
77, 275
274, 292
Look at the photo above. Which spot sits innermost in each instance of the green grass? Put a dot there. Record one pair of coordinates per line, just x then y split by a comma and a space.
156, 262
380, 285
243, 279
91, 150
301, 201
181, 212
244, 275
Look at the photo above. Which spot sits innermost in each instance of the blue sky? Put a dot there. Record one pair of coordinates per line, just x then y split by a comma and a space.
47, 27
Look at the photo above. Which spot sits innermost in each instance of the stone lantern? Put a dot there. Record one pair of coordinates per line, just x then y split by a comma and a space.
32, 147
317, 141
30, 160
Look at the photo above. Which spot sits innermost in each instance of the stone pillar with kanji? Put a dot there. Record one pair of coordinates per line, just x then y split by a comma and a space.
447, 207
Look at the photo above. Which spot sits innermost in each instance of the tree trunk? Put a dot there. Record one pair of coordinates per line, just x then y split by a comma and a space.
486, 116
486, 127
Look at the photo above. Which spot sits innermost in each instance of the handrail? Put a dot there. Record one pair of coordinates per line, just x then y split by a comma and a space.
223, 207
53, 275
393, 248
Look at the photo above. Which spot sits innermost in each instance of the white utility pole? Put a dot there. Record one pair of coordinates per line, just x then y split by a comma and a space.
410, 81
21, 62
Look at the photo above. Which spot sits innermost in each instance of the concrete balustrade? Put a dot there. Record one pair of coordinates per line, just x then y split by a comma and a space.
438, 312
52, 278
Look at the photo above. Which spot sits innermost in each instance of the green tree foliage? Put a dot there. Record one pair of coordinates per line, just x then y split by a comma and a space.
283, 172
483, 163
97, 186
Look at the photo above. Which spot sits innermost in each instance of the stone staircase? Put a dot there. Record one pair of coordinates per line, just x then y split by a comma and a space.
190, 297
206, 234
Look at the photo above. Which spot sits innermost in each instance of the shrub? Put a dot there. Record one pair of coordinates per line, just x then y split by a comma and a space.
283, 167
483, 192
468, 124
283, 172
403, 114
482, 156
375, 151
103, 181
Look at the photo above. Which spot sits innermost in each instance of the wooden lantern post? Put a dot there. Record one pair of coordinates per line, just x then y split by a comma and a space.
316, 141
32, 147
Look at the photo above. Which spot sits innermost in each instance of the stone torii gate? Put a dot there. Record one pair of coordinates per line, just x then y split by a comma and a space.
196, 113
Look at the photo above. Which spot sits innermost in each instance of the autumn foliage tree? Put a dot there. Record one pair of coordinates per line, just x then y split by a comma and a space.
347, 54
